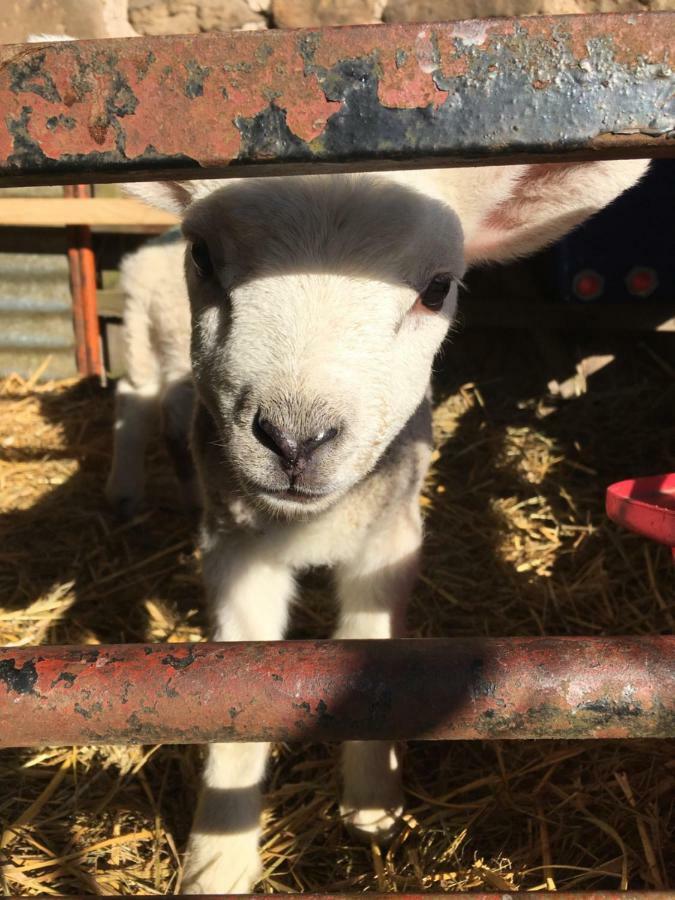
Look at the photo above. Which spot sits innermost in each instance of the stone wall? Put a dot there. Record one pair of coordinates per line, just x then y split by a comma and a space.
191, 16
174, 16
79, 18
439, 10
120, 18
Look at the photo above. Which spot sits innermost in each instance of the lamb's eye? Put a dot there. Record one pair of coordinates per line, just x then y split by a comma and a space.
202, 259
434, 294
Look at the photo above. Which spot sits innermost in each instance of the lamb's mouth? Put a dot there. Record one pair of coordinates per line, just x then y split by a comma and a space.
296, 495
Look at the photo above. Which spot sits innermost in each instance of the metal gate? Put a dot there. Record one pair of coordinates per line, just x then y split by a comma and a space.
364, 98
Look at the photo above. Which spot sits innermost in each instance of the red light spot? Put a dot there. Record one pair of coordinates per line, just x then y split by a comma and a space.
588, 285
642, 282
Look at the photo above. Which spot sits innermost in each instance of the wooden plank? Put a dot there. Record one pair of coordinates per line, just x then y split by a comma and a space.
141, 229
57, 212
111, 303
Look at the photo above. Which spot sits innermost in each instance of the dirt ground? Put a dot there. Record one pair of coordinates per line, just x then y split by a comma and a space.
517, 544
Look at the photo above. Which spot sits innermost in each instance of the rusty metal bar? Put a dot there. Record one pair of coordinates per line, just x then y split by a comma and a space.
497, 91
82, 269
73, 238
338, 690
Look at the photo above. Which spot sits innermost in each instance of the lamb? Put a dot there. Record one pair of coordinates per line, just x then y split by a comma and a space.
158, 380
318, 306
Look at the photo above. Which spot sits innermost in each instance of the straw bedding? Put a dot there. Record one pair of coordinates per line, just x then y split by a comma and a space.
517, 543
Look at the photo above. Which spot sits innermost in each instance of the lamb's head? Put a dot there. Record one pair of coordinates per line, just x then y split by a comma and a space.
318, 305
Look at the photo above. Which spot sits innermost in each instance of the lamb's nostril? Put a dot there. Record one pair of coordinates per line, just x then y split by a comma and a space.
295, 452
277, 439
309, 445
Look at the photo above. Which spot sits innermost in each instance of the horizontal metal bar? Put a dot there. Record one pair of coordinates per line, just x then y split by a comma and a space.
498, 91
482, 688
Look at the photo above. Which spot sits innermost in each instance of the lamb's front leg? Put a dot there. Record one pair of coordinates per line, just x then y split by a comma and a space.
136, 411
373, 590
250, 597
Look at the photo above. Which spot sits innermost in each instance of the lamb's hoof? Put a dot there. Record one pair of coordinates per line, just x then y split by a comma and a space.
379, 825
200, 888
239, 876
125, 508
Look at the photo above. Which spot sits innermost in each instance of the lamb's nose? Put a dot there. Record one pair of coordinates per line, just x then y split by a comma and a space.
294, 451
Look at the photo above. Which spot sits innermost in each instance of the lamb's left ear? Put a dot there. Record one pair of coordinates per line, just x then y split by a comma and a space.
524, 208
171, 196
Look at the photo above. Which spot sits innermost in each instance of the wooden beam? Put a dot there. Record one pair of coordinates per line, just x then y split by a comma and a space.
57, 212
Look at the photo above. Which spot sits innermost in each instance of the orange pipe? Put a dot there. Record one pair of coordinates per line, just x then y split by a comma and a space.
82, 266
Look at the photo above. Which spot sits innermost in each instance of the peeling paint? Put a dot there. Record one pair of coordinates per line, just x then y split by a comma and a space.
610, 709
29, 77
426, 53
18, 680
179, 663
472, 33
194, 86
67, 677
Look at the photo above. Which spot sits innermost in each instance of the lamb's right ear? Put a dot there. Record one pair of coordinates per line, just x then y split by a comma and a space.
517, 210
171, 196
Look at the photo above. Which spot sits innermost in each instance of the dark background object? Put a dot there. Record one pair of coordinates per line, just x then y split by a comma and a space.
627, 251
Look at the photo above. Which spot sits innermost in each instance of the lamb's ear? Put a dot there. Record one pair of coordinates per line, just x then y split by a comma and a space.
171, 196
532, 206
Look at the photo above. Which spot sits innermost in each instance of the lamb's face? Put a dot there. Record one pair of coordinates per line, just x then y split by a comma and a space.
318, 306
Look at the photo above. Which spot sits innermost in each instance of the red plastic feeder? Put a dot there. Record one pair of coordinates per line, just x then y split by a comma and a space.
646, 506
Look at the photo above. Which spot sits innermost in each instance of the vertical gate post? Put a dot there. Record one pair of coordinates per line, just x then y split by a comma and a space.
82, 269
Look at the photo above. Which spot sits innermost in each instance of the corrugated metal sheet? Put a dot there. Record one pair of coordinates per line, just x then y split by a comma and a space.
35, 316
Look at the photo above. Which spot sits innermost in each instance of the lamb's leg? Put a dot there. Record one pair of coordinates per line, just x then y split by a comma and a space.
373, 591
135, 416
250, 598
178, 400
